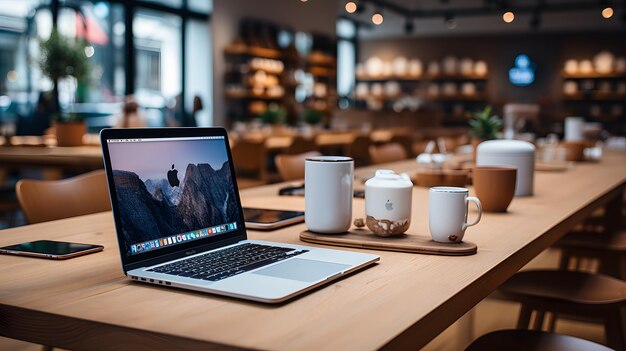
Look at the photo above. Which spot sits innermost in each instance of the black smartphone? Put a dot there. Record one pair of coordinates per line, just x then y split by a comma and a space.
55, 250
264, 219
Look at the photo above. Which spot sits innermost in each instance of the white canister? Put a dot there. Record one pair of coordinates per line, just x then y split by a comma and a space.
388, 203
574, 128
516, 153
328, 182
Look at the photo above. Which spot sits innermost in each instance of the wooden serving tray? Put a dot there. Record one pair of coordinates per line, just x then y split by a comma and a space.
364, 239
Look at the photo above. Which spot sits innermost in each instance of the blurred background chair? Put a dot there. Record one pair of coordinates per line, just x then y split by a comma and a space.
391, 152
586, 296
291, 167
530, 340
359, 150
47, 200
300, 145
406, 141
249, 157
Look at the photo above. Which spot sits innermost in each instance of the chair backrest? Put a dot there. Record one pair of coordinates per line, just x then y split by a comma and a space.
249, 156
291, 167
405, 140
300, 145
387, 153
47, 200
359, 150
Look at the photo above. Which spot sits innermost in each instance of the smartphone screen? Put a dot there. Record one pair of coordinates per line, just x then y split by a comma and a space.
50, 249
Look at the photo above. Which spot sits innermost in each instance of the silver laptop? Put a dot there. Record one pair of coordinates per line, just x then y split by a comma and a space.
180, 224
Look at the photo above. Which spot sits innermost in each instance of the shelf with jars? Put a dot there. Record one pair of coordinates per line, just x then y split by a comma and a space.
454, 84
270, 66
595, 87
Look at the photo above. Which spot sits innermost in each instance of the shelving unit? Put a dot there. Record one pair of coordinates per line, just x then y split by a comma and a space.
594, 101
450, 104
244, 102
241, 98
323, 68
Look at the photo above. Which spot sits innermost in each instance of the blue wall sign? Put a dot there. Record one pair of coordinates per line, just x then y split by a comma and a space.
523, 74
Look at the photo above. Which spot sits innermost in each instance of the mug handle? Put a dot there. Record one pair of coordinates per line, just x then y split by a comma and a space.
480, 211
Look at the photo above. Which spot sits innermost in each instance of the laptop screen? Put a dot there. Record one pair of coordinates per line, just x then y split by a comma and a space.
172, 191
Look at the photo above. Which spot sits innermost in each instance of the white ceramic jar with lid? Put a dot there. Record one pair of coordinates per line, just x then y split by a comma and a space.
516, 153
388, 203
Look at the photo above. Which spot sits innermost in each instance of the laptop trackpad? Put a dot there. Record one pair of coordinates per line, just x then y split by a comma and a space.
303, 270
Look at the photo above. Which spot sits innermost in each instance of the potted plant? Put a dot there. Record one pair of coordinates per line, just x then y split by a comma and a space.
312, 117
483, 126
69, 129
61, 58
274, 117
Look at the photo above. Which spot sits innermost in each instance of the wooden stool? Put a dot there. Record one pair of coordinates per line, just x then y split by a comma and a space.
566, 293
531, 340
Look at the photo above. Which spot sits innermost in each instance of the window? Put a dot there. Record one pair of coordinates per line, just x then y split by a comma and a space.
158, 57
346, 60
198, 82
152, 59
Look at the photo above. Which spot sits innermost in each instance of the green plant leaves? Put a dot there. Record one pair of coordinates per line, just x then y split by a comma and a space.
484, 125
62, 57
274, 115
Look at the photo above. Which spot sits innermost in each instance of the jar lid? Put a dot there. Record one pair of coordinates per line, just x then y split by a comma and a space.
386, 178
505, 147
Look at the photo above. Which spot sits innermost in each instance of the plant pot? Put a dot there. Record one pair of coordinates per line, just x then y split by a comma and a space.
70, 133
279, 130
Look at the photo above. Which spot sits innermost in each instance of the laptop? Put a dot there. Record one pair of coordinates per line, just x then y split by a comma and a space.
179, 220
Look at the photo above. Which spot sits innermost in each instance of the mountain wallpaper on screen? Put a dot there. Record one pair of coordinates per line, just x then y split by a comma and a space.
153, 209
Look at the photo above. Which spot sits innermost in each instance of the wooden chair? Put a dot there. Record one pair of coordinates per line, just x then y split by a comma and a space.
359, 150
600, 238
391, 152
572, 294
249, 158
531, 340
8, 204
47, 200
406, 141
291, 167
608, 249
300, 145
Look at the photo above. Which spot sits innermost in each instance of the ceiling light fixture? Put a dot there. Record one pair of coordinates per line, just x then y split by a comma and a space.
351, 7
607, 12
508, 17
377, 18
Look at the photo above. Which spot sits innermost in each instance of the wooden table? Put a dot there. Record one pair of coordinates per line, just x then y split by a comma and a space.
338, 140
88, 156
401, 303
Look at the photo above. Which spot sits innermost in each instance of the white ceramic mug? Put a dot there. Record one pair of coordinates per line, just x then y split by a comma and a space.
328, 182
447, 213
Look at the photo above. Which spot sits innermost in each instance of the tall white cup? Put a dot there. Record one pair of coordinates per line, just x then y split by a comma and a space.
447, 213
328, 182
574, 128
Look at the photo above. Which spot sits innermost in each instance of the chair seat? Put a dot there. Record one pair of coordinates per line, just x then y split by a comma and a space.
532, 340
566, 286
615, 241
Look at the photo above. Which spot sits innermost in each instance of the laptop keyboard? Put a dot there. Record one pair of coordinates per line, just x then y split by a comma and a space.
226, 263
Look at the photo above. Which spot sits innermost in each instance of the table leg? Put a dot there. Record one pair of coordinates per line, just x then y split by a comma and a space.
466, 328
